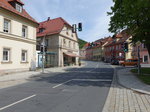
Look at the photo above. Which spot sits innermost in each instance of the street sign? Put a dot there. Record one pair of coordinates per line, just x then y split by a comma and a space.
138, 43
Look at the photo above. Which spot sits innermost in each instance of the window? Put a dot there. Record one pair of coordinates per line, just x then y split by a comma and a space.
41, 30
144, 46
64, 42
24, 31
72, 35
6, 26
6, 55
24, 56
74, 45
69, 44
18, 7
145, 59
67, 31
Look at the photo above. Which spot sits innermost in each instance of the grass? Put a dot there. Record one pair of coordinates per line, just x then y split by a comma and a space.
144, 76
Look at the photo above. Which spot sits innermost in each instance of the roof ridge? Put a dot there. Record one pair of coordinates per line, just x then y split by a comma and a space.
49, 20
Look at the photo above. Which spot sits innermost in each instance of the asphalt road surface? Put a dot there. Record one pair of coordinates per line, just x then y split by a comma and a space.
77, 90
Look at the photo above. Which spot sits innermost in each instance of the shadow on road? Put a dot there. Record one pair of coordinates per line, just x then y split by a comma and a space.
80, 76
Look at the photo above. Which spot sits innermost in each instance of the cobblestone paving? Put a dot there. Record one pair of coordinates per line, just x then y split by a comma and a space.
121, 99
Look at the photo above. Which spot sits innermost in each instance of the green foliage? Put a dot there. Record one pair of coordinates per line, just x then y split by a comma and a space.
133, 15
81, 43
144, 76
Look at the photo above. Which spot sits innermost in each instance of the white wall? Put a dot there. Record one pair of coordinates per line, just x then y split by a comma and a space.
16, 43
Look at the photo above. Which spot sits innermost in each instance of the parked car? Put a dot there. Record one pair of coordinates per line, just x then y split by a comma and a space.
115, 62
130, 62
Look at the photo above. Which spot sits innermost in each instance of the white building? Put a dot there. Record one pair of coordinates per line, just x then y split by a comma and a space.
59, 40
17, 37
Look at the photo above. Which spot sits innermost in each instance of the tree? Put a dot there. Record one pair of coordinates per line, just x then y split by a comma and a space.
81, 43
133, 15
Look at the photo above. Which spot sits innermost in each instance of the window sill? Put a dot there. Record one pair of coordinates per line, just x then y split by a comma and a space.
6, 62
24, 62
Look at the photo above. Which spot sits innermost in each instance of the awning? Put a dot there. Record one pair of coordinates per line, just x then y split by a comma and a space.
71, 54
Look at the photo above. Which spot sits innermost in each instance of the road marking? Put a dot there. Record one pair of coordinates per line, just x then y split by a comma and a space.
106, 80
17, 102
94, 68
89, 72
61, 84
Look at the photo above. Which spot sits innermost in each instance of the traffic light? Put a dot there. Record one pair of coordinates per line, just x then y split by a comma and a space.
125, 47
80, 27
45, 49
74, 28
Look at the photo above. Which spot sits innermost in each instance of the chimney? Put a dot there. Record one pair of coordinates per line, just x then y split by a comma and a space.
48, 19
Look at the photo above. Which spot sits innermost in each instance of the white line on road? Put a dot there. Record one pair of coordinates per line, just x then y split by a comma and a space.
61, 84
106, 80
17, 102
94, 68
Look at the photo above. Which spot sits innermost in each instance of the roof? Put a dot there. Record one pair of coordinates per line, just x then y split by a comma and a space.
119, 35
87, 44
113, 42
51, 26
16, 1
7, 6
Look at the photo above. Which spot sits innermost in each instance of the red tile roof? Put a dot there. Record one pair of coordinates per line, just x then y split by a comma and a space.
87, 44
119, 35
52, 26
6, 5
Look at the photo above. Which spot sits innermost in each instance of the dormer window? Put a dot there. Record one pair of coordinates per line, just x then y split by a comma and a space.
18, 7
41, 30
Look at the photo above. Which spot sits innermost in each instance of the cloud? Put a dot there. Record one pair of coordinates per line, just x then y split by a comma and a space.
92, 13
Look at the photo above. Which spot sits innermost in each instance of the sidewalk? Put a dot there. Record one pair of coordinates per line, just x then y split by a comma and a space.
145, 65
22, 77
129, 80
122, 99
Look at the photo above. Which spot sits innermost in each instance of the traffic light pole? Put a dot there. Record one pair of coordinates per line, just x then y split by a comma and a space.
43, 54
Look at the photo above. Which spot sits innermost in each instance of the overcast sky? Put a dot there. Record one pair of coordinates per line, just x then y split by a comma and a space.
92, 13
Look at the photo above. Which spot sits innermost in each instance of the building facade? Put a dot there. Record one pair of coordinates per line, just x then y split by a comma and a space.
144, 55
60, 40
114, 48
17, 37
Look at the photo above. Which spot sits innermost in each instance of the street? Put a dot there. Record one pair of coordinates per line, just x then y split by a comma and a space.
82, 89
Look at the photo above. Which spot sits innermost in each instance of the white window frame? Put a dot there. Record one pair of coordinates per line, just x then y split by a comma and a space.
8, 54
24, 59
6, 29
18, 7
24, 34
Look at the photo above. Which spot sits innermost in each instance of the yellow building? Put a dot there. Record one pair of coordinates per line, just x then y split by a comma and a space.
17, 37
97, 53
